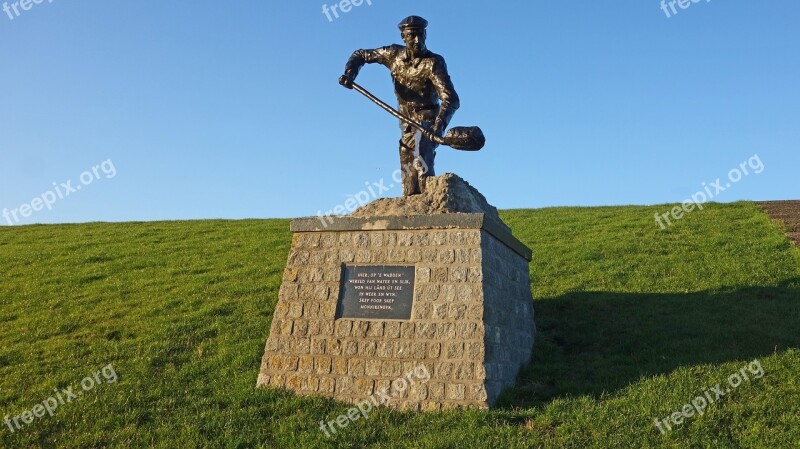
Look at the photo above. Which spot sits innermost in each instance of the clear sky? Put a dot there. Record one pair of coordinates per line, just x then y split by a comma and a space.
212, 109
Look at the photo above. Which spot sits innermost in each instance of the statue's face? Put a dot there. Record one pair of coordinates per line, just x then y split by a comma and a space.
415, 40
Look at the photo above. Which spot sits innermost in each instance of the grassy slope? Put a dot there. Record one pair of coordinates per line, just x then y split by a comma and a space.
633, 323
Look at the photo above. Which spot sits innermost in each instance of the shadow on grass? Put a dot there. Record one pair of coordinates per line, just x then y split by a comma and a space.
596, 343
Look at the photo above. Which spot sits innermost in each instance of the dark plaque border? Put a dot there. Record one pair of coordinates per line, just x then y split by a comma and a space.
349, 304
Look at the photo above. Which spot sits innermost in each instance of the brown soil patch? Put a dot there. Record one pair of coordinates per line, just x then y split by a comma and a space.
787, 212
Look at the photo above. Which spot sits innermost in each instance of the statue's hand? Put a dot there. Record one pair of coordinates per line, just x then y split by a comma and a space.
433, 137
346, 81
438, 129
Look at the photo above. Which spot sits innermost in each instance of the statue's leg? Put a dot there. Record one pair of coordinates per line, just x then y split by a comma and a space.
410, 179
427, 153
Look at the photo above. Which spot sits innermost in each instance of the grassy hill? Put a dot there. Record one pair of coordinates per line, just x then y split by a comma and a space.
634, 322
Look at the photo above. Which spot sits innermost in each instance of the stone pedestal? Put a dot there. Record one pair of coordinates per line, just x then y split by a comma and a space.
470, 328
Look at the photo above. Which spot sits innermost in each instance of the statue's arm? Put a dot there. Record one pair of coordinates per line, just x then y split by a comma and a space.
447, 96
383, 55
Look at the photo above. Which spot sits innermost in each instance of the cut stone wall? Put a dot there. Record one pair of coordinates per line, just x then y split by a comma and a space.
508, 314
471, 324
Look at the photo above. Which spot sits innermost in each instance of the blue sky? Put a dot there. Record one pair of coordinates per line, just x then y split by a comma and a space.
232, 109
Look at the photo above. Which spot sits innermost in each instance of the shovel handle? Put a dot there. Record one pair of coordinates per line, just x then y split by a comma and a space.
398, 115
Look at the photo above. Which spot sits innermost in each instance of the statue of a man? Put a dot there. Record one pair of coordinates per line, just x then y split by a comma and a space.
424, 93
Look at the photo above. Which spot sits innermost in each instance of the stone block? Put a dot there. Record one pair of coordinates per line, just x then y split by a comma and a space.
471, 325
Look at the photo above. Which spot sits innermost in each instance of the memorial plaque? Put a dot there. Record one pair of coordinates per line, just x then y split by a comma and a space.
377, 292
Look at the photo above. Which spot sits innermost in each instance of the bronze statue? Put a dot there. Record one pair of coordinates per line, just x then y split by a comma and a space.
427, 101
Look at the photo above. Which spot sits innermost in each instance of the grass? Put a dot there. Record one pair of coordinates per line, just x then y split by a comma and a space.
633, 323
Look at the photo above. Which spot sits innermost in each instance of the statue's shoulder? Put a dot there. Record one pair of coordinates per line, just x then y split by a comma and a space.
395, 49
436, 59
389, 53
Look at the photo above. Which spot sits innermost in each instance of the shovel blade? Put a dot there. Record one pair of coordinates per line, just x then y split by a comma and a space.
465, 138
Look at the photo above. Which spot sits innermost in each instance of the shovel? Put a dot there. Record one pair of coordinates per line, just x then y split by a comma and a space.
465, 138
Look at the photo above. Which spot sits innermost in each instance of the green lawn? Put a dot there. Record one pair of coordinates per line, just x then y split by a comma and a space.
633, 323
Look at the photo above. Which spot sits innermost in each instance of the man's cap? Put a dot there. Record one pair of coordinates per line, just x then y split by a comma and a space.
413, 22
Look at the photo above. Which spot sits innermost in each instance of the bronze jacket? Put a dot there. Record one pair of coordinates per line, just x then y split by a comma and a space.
420, 84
